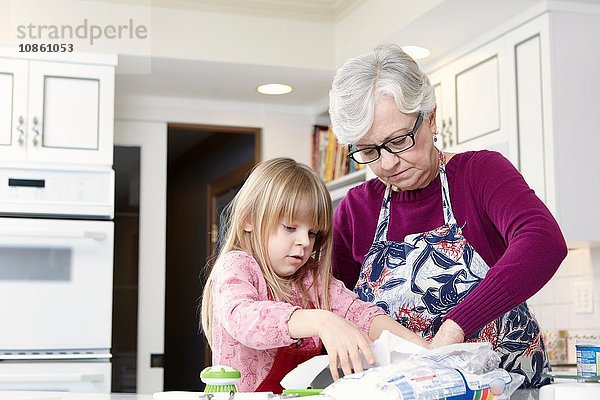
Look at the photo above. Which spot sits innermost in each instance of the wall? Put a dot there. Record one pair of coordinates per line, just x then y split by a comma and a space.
554, 304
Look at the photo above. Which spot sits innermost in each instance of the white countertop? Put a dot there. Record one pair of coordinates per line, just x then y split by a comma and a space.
519, 395
523, 394
10, 395
173, 395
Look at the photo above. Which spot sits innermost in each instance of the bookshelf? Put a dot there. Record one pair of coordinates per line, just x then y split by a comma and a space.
330, 160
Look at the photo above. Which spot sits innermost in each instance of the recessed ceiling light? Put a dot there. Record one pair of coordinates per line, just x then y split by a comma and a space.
416, 52
274, 88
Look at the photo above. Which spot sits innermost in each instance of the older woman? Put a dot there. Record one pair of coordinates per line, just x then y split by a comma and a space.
450, 245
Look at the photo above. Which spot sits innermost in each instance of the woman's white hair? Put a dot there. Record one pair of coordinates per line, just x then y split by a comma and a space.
383, 71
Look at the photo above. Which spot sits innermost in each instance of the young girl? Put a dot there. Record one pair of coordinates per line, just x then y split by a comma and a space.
270, 300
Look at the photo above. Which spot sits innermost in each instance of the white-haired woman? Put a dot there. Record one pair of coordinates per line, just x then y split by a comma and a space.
450, 245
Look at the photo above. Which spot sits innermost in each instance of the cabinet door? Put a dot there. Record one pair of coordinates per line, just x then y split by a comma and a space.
481, 101
473, 105
530, 114
528, 47
13, 109
71, 110
444, 96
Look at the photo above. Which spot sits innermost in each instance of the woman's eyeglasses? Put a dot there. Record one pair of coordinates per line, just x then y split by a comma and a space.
395, 145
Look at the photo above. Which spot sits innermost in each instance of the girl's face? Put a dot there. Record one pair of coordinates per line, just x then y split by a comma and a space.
413, 168
290, 247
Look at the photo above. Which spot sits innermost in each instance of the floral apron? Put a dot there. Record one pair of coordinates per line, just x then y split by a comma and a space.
418, 281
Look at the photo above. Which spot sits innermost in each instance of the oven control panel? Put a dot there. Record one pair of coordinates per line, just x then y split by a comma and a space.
57, 192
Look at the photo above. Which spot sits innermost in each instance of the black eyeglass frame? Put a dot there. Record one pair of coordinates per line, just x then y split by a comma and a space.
384, 146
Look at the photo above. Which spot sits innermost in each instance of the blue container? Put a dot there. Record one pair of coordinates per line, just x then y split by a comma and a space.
588, 359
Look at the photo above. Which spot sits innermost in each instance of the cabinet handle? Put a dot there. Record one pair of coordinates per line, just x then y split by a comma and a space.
449, 132
36, 137
443, 134
21, 131
446, 133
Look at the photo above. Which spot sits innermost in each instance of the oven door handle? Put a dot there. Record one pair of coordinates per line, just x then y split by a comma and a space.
64, 234
21, 378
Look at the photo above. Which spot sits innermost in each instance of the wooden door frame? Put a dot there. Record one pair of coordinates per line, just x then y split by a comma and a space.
217, 188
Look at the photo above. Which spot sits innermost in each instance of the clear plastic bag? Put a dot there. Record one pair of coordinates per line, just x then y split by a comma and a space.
474, 358
457, 372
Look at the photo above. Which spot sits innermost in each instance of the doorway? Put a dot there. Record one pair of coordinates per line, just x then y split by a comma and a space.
206, 165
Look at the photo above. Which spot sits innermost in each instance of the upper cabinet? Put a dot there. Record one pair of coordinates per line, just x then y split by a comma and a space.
530, 92
56, 112
470, 107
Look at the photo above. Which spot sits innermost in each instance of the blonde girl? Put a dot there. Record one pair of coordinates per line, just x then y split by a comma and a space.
270, 301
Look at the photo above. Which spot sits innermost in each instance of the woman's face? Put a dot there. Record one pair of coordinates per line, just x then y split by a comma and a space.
412, 169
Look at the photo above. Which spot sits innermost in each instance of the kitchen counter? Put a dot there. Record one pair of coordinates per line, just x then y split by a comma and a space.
523, 394
10, 395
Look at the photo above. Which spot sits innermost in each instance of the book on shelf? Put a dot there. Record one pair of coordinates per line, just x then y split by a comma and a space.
330, 158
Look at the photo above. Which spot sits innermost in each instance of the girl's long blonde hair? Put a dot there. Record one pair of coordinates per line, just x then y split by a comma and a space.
276, 190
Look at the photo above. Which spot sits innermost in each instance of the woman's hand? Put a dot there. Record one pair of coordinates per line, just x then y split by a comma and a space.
385, 322
449, 333
342, 339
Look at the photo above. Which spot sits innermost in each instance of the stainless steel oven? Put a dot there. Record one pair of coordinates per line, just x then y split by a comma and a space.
56, 272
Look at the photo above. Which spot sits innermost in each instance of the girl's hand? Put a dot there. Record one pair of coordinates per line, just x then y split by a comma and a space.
344, 341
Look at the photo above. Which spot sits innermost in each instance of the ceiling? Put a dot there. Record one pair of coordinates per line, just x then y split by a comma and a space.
194, 79
319, 10
442, 28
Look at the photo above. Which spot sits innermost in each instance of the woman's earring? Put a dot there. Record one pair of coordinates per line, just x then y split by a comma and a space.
435, 136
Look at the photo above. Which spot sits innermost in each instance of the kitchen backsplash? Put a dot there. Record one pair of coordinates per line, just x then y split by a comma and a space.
569, 305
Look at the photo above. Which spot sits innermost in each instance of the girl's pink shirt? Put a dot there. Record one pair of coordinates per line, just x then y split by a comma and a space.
248, 327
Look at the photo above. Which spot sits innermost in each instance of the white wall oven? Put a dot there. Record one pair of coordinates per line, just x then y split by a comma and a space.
56, 274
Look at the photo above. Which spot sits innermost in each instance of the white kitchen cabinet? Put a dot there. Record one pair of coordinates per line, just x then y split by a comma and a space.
56, 112
556, 58
471, 101
13, 101
530, 92
528, 51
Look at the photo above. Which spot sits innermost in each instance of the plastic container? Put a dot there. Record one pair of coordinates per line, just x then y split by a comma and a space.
588, 360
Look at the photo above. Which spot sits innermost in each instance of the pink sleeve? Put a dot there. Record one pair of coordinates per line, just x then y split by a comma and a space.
239, 292
346, 303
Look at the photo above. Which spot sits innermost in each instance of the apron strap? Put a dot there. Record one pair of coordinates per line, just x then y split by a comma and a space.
446, 204
381, 233
384, 213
